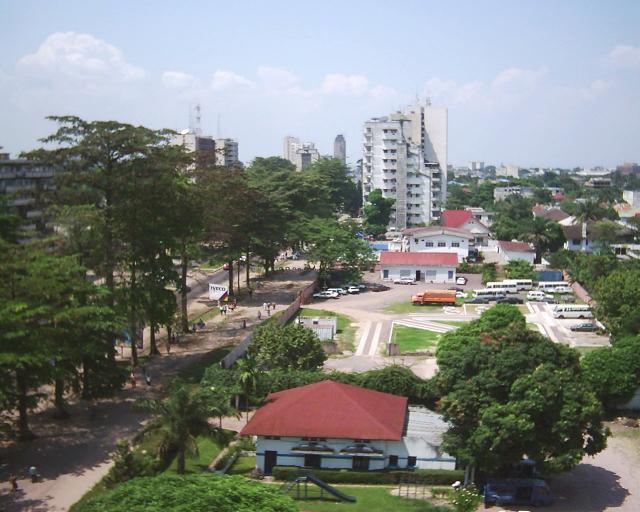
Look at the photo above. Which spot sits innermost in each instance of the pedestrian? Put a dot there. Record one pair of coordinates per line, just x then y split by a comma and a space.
259, 315
221, 308
132, 379
235, 303
264, 305
273, 306
168, 346
251, 293
193, 328
244, 323
224, 309
33, 473
268, 312
13, 480
147, 379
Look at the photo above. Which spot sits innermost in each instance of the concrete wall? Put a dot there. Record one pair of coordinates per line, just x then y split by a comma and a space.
429, 274
517, 255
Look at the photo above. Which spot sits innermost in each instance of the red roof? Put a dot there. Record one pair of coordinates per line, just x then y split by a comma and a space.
515, 246
442, 259
330, 409
455, 218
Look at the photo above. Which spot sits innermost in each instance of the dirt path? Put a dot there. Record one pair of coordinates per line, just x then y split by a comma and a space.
74, 455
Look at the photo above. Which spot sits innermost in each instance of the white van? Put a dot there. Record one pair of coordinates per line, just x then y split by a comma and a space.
562, 289
538, 295
522, 284
503, 285
490, 294
550, 286
572, 311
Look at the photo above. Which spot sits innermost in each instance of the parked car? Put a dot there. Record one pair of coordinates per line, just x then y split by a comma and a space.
584, 327
567, 298
226, 266
326, 295
549, 299
537, 295
353, 289
460, 295
510, 300
477, 300
456, 288
379, 288
339, 291
523, 491
404, 280
461, 280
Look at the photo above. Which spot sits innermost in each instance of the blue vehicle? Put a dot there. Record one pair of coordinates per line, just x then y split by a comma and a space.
518, 491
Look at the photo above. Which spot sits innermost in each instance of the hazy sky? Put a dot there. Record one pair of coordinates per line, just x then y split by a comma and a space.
526, 82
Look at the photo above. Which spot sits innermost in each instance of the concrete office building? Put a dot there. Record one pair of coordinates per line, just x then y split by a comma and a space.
223, 152
513, 171
405, 155
340, 149
300, 154
476, 165
226, 152
23, 184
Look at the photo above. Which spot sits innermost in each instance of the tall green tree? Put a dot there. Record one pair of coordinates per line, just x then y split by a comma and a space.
376, 213
618, 300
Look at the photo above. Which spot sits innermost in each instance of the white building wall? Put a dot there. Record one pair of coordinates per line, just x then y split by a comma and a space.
517, 255
435, 243
428, 274
437, 149
631, 197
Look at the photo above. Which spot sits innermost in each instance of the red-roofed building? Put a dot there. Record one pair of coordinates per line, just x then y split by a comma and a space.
438, 239
334, 425
466, 220
430, 267
516, 251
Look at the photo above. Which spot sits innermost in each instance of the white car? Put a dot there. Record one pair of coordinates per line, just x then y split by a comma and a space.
353, 289
326, 295
461, 295
461, 281
562, 289
537, 295
404, 280
339, 291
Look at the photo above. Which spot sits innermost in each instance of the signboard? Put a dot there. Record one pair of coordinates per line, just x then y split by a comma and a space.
217, 291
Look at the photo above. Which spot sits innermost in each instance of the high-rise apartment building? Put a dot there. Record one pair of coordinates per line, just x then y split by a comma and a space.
223, 152
405, 155
226, 152
340, 149
302, 155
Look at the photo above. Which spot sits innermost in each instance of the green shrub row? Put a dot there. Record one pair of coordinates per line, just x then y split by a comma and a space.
337, 476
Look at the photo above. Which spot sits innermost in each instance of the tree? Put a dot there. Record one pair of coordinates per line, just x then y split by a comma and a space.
376, 213
394, 379
291, 347
617, 300
191, 492
248, 378
333, 175
545, 235
489, 272
519, 269
509, 393
179, 419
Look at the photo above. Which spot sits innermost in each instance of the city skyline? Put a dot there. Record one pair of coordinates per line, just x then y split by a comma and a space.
533, 84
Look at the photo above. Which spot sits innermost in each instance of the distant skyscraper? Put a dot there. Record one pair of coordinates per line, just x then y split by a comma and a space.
223, 152
340, 149
302, 155
405, 155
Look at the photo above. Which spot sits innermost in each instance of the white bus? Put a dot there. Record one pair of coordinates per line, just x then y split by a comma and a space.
550, 286
506, 287
490, 294
572, 311
523, 284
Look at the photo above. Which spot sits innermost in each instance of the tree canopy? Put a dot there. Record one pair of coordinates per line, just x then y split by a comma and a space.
376, 213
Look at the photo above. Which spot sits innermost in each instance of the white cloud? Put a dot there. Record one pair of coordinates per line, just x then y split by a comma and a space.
277, 78
178, 80
82, 57
383, 92
625, 56
225, 80
348, 85
593, 90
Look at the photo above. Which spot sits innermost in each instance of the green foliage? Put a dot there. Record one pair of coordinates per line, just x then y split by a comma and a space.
614, 372
466, 499
519, 269
489, 272
128, 464
292, 347
618, 300
336, 476
376, 213
189, 493
509, 392
468, 268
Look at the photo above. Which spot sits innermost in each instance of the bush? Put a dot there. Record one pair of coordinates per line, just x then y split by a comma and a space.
467, 268
336, 476
129, 464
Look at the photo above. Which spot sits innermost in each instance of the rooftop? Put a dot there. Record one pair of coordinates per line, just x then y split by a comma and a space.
442, 259
515, 246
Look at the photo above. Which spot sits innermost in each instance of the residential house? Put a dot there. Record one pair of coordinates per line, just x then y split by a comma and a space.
430, 267
580, 238
550, 213
339, 426
501, 193
511, 251
466, 220
438, 239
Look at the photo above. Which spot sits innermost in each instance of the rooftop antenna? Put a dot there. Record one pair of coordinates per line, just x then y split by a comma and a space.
198, 129
194, 119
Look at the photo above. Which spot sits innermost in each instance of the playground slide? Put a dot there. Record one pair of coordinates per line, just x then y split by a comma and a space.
328, 488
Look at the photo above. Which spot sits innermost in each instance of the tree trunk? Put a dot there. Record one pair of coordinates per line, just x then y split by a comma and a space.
133, 325
153, 347
230, 277
181, 461
184, 263
238, 274
237, 402
248, 270
24, 434
86, 377
60, 413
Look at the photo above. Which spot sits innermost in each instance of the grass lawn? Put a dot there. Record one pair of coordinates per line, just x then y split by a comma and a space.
242, 466
194, 372
346, 333
457, 323
585, 350
405, 306
411, 339
368, 498
208, 450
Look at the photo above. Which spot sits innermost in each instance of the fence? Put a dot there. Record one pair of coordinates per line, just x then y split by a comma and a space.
286, 315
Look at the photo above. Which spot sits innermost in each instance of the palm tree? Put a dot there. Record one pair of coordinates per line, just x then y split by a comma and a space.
539, 235
248, 378
180, 419
585, 212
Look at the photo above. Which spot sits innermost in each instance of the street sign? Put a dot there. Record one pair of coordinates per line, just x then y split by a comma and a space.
217, 291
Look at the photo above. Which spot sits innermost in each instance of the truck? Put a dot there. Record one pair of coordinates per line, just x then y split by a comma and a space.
447, 297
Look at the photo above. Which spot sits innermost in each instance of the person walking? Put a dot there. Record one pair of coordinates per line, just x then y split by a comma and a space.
132, 379
259, 315
33, 473
147, 378
168, 346
13, 480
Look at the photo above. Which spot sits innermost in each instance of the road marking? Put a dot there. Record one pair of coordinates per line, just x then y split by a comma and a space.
426, 325
373, 350
363, 339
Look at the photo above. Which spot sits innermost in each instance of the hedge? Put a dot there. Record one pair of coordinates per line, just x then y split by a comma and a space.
348, 476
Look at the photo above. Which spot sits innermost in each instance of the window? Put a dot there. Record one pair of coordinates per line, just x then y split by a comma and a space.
393, 460
415, 240
455, 244
442, 244
411, 462
312, 460
272, 437
385, 274
428, 244
360, 463
450, 274
362, 440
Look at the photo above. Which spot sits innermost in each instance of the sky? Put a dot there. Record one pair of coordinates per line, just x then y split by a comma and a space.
530, 83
